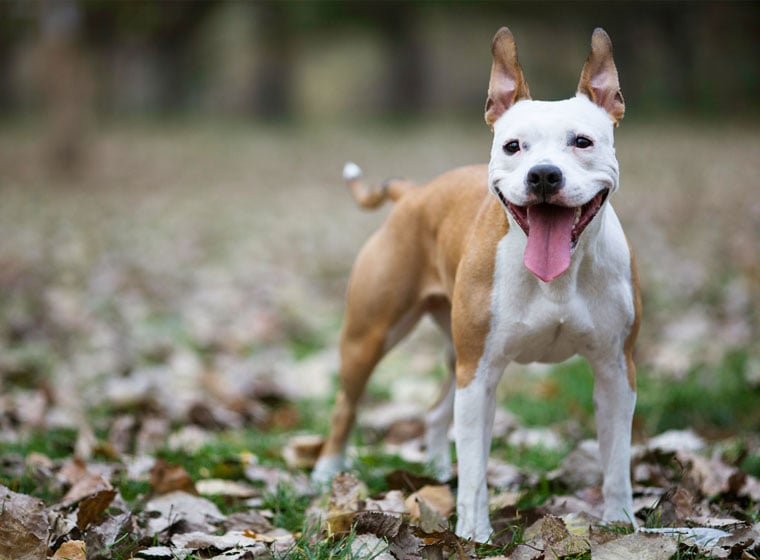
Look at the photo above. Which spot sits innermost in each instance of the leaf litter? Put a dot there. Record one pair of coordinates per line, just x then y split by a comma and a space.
100, 311
685, 502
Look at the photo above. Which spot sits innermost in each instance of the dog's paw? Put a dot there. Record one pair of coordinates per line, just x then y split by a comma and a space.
480, 532
326, 469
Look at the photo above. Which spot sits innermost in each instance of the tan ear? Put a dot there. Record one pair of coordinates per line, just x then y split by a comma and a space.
507, 85
599, 78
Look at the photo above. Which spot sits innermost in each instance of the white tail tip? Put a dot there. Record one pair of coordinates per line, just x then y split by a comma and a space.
351, 172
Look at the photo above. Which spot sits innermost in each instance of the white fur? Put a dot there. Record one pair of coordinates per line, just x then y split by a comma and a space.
588, 310
351, 172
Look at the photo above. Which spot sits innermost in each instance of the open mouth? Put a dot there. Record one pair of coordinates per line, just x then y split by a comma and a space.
553, 232
582, 215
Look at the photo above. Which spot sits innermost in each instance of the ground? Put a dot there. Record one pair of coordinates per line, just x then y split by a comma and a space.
168, 318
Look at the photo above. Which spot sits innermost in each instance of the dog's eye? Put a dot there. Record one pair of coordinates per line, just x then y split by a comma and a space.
582, 142
512, 147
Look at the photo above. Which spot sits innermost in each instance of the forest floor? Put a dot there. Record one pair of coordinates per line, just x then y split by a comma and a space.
168, 323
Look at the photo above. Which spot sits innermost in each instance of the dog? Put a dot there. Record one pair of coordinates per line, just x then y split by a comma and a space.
521, 261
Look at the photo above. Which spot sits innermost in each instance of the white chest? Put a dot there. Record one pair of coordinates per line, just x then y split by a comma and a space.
586, 311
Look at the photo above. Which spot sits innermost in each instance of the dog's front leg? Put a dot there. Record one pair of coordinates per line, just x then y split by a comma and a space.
474, 408
614, 402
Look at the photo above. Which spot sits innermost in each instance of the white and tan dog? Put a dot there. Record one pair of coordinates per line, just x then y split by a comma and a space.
523, 261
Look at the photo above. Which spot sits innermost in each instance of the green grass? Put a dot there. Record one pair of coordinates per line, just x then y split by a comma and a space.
537, 458
288, 507
312, 547
565, 393
707, 400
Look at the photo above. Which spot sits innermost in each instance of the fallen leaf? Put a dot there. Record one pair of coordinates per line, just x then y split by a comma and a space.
740, 540
197, 540
636, 546
118, 533
404, 430
431, 507
71, 550
701, 537
503, 476
408, 482
72, 471
406, 544
345, 497
180, 506
88, 485
91, 508
224, 487
302, 452
24, 526
165, 478
378, 523
559, 541
581, 468
369, 547
392, 502
673, 441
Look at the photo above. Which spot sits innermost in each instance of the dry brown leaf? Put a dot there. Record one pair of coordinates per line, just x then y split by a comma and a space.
165, 478
109, 533
91, 508
581, 468
430, 507
431, 519
406, 544
392, 502
71, 550
72, 471
224, 487
378, 523
24, 526
345, 500
177, 506
90, 484
408, 482
739, 541
711, 476
248, 520
302, 452
404, 430
369, 546
559, 541
636, 546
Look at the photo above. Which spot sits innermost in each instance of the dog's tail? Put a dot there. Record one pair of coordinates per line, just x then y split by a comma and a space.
373, 197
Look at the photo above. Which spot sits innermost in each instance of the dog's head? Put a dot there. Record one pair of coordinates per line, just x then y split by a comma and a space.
553, 162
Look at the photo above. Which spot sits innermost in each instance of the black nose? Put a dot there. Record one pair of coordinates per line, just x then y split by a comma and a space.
544, 180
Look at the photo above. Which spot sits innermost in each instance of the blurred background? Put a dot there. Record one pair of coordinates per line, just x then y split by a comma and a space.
172, 219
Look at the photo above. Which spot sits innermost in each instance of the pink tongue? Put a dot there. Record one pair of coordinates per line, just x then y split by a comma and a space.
548, 252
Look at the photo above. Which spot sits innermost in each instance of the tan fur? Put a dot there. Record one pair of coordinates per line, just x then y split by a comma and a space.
373, 197
411, 266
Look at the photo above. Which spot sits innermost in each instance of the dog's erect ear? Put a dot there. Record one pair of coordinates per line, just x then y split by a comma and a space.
507, 85
599, 78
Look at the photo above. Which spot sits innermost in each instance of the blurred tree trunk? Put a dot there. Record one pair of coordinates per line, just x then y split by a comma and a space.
273, 87
67, 85
405, 79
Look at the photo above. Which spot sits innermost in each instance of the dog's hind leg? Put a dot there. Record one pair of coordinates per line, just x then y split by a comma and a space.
380, 311
437, 423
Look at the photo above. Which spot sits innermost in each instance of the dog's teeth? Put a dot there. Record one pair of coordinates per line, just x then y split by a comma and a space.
577, 216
